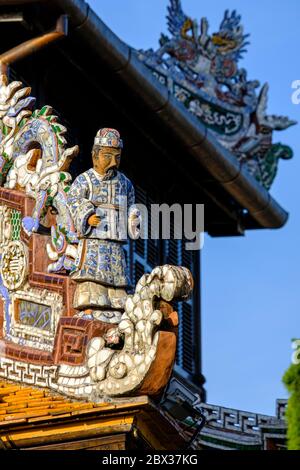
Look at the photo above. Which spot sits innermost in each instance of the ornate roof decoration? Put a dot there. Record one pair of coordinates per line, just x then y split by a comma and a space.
202, 72
77, 349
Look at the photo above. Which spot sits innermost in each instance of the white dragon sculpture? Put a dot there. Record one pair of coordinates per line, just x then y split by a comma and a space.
34, 158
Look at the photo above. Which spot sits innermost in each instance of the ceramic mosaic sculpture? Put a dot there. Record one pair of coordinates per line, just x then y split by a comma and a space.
202, 72
66, 321
101, 202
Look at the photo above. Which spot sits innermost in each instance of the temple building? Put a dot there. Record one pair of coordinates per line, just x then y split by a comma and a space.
195, 131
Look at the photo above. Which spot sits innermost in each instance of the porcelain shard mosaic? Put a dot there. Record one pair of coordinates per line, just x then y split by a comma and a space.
202, 71
67, 321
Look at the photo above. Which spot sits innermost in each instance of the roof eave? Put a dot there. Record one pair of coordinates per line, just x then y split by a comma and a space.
195, 137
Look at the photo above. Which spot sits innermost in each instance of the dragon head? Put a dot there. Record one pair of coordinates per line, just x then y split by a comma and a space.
230, 37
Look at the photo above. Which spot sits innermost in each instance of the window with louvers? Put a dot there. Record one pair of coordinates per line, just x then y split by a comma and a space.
138, 271
187, 353
176, 254
143, 256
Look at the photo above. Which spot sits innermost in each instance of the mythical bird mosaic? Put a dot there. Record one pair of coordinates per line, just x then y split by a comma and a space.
66, 319
202, 71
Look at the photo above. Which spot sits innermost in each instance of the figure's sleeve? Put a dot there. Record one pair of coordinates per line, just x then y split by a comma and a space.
79, 205
130, 198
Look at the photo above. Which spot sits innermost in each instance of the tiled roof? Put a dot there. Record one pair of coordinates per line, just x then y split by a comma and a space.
33, 418
21, 404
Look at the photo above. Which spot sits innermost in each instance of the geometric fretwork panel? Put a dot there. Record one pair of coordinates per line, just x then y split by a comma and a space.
234, 420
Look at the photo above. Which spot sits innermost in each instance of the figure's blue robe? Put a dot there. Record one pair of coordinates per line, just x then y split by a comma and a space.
101, 256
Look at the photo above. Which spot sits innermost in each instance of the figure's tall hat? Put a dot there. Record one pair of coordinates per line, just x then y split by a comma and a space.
107, 137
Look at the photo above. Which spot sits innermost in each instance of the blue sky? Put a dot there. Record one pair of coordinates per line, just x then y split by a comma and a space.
250, 285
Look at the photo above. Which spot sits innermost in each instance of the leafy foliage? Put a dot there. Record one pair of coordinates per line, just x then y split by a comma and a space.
291, 379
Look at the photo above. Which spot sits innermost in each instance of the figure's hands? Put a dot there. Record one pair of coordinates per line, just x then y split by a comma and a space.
93, 220
134, 224
134, 220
